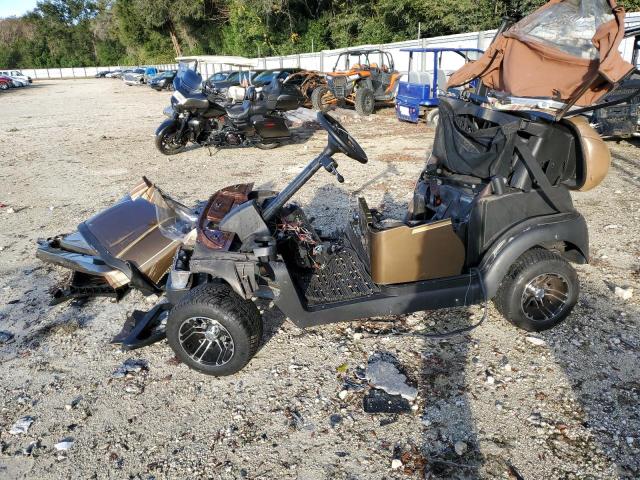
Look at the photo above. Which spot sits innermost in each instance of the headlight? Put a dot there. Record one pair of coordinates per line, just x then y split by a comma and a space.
168, 112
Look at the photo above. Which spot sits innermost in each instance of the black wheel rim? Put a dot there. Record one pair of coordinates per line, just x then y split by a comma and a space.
206, 341
544, 298
170, 143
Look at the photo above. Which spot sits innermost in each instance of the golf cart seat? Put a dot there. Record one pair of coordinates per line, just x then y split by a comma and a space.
420, 78
442, 81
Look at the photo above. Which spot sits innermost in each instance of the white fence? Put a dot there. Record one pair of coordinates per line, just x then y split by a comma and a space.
79, 72
324, 61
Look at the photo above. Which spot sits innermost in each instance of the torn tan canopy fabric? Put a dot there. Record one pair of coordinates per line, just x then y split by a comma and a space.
565, 50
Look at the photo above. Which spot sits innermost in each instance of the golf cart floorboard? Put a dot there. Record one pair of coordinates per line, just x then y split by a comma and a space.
343, 277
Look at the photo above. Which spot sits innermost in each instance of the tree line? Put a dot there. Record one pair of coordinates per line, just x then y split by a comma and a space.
65, 33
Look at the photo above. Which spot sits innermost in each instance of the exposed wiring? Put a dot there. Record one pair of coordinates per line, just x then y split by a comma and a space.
460, 331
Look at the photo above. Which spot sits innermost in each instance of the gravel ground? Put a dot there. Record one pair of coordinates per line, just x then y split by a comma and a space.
495, 403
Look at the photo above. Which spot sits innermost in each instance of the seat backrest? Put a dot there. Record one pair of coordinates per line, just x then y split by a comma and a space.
442, 80
593, 157
421, 78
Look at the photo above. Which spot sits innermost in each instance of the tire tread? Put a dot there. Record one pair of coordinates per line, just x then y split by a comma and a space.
525, 261
220, 297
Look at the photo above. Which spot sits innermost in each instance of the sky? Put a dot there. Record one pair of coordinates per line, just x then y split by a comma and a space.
9, 8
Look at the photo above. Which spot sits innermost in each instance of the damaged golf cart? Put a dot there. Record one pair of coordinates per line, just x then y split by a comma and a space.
491, 218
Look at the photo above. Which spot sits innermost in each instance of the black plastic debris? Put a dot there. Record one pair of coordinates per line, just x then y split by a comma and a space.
130, 366
335, 420
5, 336
379, 401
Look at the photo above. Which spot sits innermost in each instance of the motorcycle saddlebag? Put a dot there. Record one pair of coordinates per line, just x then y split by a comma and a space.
271, 127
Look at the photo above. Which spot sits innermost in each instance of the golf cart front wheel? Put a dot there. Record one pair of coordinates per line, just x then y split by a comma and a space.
433, 117
539, 291
213, 330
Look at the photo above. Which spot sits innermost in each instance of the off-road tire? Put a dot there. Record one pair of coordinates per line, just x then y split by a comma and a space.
533, 264
365, 101
316, 99
165, 149
219, 302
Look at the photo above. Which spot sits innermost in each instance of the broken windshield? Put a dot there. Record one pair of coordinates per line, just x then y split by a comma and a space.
568, 26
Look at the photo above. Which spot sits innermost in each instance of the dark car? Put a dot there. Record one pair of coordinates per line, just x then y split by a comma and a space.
221, 81
102, 74
267, 76
163, 80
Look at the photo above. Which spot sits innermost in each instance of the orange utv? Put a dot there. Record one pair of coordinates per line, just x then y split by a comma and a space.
360, 78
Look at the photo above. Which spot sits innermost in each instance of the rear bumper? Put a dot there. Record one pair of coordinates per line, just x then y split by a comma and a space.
408, 112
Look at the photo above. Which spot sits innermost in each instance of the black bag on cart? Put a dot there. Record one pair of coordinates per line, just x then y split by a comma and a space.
465, 146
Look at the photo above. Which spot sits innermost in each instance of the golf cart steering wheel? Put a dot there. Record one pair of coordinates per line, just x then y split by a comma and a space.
340, 140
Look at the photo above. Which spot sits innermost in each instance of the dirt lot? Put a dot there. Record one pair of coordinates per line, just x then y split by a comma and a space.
491, 404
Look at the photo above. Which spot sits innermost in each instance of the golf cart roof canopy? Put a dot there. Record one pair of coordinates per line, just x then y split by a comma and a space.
567, 50
365, 51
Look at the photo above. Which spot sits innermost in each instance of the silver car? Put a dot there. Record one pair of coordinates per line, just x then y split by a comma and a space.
18, 78
134, 77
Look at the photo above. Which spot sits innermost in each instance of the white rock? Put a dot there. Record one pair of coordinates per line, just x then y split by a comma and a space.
460, 447
624, 293
358, 336
611, 227
385, 375
343, 394
491, 380
64, 444
535, 341
22, 425
396, 464
10, 210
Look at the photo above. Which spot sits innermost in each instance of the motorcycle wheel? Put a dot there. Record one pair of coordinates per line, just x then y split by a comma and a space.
167, 143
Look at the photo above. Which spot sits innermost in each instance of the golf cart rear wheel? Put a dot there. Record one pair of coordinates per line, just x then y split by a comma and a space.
539, 291
322, 99
365, 101
214, 330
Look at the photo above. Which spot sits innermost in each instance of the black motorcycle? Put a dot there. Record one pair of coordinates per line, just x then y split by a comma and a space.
206, 119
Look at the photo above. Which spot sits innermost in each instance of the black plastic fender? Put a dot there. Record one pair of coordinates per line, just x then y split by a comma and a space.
569, 228
166, 124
